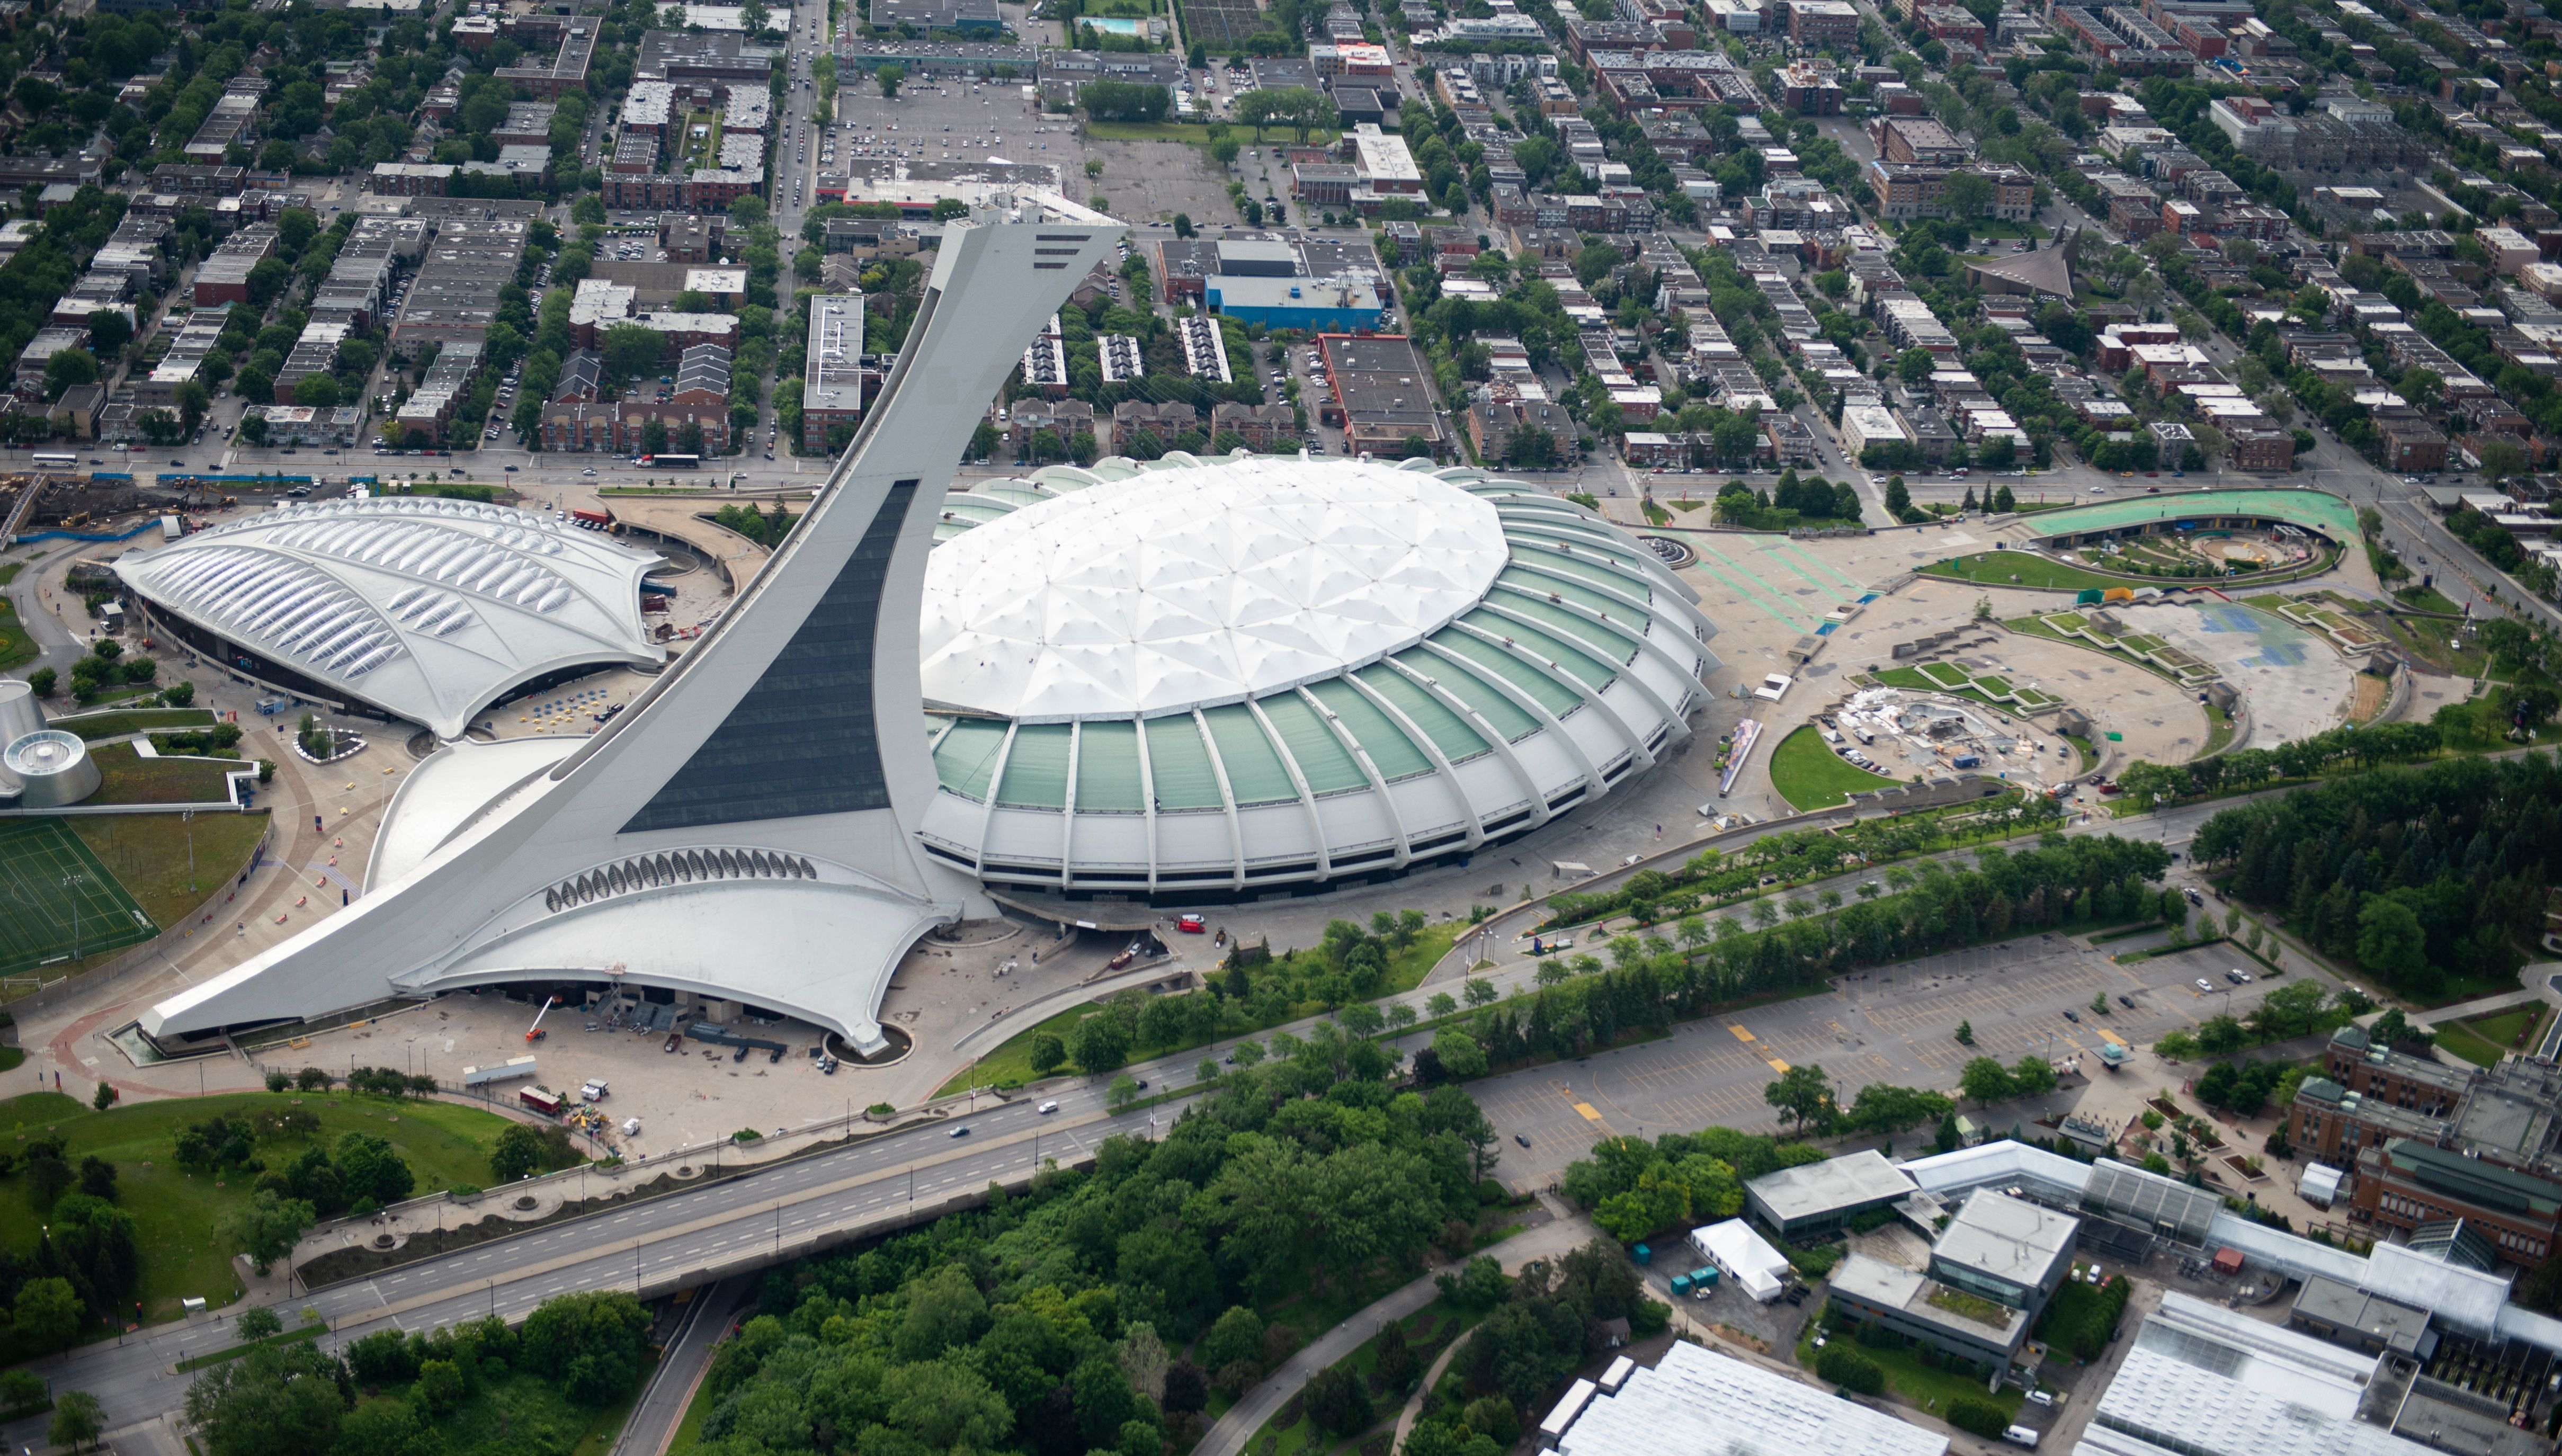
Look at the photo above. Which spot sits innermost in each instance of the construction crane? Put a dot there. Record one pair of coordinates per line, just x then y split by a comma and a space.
535, 1032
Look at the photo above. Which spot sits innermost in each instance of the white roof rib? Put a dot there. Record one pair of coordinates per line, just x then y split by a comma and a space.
425, 608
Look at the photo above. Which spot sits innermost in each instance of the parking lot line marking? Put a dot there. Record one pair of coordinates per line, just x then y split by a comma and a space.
1740, 1033
1778, 1066
1589, 1112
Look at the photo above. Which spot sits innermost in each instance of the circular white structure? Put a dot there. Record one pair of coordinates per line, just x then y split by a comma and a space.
420, 607
1193, 679
53, 767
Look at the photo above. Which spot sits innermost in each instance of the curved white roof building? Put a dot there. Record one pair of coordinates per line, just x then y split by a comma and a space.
1199, 678
420, 608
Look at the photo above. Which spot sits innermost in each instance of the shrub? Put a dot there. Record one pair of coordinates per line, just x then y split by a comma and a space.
1850, 1370
1978, 1415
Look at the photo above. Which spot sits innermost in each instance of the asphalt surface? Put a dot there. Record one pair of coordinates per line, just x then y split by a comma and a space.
681, 1365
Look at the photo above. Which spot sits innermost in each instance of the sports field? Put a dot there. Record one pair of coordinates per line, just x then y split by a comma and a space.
57, 902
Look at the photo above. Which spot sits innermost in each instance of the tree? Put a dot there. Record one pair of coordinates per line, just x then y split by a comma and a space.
521, 1152
2390, 940
267, 1227
77, 1420
1123, 1091
1803, 1094
1048, 1054
1460, 1056
1100, 1043
316, 391
1985, 1080
1967, 195
110, 331
2031, 1075
1899, 501
1338, 1402
591, 1343
253, 427
69, 367
370, 1169
947, 1406
258, 1323
889, 77
2502, 457
47, 1314
631, 351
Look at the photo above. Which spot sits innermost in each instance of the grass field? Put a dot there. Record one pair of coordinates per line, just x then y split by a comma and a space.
1997, 568
1809, 775
151, 854
177, 1214
57, 900
2485, 1039
1185, 132
129, 777
2426, 599
521, 1415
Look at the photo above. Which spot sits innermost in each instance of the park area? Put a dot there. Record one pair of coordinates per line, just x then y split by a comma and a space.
2485, 1039
1809, 775
178, 1212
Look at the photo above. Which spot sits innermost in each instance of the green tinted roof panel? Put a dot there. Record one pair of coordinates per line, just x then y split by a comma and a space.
1449, 731
1507, 717
1107, 769
1037, 768
1178, 764
1568, 627
1538, 644
1542, 686
1255, 773
966, 756
1322, 758
1391, 751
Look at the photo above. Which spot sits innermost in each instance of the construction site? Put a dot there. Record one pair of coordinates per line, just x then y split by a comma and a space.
1921, 735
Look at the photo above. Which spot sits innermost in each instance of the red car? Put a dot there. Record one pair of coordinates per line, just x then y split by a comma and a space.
1191, 925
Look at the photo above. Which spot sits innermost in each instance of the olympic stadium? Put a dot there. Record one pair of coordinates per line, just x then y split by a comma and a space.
1200, 678
1179, 682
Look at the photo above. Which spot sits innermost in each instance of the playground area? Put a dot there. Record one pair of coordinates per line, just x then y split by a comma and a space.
2179, 552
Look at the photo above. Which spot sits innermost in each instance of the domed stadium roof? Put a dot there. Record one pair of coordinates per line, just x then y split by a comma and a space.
1199, 676
425, 608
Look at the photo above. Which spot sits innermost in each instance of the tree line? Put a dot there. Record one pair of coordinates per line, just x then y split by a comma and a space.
2416, 874
1095, 1311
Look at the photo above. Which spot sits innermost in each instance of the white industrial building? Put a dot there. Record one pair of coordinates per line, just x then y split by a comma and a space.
1696, 1401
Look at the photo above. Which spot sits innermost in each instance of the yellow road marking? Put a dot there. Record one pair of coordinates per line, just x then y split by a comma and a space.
1589, 1114
1740, 1033
2113, 1037
1778, 1066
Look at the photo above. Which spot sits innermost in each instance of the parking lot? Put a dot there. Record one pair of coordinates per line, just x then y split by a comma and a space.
953, 120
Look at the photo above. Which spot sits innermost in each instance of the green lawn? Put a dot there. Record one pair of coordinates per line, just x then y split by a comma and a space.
171, 862
2219, 728
2018, 567
129, 777
2426, 599
120, 722
15, 646
1012, 1059
1914, 1383
1809, 775
2459, 1039
177, 1214
1187, 133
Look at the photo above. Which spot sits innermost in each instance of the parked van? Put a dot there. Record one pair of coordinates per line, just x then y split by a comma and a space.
2020, 1435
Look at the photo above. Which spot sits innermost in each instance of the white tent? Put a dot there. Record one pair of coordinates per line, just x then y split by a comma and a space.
1747, 1257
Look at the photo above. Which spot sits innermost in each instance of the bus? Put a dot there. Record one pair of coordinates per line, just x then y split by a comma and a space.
671, 461
55, 459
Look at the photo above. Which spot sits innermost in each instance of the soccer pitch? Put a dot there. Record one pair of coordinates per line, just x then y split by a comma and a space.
57, 901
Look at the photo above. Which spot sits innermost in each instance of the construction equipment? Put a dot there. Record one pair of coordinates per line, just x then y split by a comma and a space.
535, 1032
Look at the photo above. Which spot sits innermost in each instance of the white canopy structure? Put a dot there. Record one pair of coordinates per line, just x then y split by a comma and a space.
420, 608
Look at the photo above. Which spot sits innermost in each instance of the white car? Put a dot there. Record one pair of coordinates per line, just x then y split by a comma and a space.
1048, 1107
2205, 985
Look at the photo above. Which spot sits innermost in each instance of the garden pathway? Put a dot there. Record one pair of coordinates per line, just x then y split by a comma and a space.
1246, 1416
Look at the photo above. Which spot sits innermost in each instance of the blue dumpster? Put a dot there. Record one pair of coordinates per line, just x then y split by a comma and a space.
1644, 1254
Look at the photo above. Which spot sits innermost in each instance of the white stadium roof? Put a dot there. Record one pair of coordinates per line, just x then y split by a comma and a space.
1180, 589
1194, 676
425, 608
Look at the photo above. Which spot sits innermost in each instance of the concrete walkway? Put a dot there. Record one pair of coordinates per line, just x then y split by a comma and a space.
1246, 1416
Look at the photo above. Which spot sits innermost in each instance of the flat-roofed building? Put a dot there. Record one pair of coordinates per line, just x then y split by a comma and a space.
833, 377
1381, 394
1816, 1197
1696, 1401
